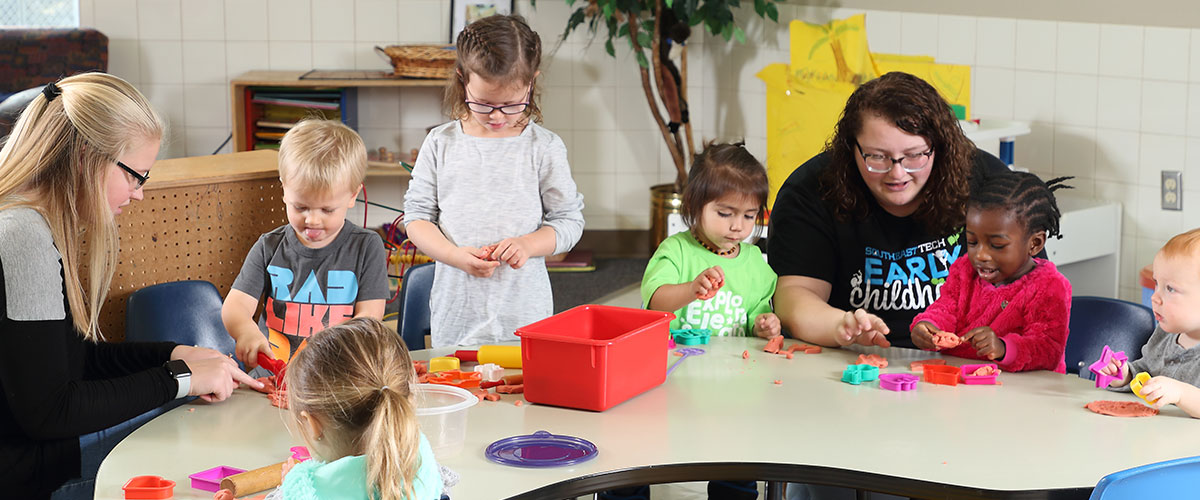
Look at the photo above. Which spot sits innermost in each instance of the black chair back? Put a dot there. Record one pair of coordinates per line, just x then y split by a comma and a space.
1099, 321
414, 305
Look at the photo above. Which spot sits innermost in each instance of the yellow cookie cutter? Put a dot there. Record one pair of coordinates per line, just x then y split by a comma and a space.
1136, 385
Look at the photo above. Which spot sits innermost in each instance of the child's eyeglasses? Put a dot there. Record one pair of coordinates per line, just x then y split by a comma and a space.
141, 178
508, 109
880, 164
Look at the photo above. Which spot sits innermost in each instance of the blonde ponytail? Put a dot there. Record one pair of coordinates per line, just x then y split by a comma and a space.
357, 379
391, 457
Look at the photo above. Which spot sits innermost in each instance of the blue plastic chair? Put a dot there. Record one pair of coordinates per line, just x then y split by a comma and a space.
1099, 321
414, 305
184, 312
1169, 479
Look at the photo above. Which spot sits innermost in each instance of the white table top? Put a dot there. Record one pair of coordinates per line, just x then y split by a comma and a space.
1031, 433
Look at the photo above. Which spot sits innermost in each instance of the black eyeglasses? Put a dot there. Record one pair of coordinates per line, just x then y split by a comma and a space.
508, 109
879, 164
141, 178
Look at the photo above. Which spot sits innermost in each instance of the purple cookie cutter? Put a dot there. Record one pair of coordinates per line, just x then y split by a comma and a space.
898, 381
210, 480
1107, 355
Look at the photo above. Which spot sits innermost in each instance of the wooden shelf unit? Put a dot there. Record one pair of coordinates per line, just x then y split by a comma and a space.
291, 79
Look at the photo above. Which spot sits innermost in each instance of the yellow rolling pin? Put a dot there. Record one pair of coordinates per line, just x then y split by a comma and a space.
507, 356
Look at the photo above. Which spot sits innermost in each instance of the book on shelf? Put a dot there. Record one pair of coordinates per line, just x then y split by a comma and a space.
266, 145
270, 124
292, 114
273, 136
297, 103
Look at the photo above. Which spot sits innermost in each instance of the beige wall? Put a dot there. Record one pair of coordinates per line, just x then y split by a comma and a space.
1165, 13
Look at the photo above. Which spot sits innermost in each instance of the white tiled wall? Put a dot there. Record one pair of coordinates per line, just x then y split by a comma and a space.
1110, 104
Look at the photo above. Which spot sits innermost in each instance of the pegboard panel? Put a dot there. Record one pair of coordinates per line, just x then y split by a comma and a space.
185, 232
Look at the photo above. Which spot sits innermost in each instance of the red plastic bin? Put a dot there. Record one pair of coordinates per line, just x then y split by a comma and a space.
593, 357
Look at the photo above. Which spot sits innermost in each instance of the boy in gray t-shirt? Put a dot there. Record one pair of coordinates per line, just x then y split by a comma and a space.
319, 269
1171, 356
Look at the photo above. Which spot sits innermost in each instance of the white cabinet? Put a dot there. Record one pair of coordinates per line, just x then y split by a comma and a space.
1089, 253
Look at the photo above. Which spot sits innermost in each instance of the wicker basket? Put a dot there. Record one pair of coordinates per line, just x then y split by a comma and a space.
420, 61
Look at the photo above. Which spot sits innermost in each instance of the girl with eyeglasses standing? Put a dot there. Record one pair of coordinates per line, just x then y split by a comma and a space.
864, 233
491, 193
78, 154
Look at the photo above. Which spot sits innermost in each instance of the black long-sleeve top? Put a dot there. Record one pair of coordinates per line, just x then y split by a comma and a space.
57, 385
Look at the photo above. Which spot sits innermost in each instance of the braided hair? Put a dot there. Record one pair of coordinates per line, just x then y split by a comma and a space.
498, 48
1024, 195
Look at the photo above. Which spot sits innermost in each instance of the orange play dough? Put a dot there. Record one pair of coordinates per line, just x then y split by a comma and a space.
873, 360
1121, 408
774, 344
916, 365
984, 371
745, 354
946, 340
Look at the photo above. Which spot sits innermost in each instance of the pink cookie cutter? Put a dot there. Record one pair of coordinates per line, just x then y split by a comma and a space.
210, 480
898, 381
300, 453
970, 378
1107, 355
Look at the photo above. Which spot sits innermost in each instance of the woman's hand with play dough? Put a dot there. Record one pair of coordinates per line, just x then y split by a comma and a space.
214, 379
189, 354
861, 327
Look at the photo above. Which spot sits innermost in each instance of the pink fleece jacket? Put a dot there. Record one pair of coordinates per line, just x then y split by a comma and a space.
1029, 315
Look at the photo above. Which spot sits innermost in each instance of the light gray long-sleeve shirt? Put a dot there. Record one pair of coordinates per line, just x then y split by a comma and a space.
479, 191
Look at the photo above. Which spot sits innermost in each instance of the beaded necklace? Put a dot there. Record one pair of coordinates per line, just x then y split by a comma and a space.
714, 250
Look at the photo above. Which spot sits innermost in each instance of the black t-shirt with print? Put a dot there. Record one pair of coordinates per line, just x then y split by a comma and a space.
890, 266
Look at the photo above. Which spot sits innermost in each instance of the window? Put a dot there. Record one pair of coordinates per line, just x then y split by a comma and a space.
40, 13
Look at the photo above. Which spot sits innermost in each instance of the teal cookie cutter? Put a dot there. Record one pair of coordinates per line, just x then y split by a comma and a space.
857, 374
691, 336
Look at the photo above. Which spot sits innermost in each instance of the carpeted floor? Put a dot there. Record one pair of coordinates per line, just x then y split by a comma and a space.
576, 288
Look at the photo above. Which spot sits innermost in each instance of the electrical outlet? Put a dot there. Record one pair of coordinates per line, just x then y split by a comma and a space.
1172, 190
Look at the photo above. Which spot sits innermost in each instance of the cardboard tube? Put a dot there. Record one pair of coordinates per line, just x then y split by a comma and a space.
254, 481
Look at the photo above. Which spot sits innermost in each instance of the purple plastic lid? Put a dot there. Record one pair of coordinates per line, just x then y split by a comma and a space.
541, 449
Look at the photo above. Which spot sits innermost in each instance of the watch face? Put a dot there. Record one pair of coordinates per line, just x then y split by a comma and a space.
178, 368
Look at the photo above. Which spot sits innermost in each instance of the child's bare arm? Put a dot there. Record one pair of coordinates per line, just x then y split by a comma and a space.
237, 313
672, 297
370, 308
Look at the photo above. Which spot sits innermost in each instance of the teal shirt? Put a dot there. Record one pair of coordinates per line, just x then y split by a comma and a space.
346, 478
749, 285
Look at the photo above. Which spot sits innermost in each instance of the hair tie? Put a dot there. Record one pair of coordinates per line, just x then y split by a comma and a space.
384, 388
51, 91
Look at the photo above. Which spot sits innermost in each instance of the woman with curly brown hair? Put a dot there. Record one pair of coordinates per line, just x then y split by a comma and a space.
863, 234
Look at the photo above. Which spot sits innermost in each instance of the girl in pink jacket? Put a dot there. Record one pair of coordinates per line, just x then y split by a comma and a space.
999, 302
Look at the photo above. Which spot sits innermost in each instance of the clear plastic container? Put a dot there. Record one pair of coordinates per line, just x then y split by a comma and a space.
442, 414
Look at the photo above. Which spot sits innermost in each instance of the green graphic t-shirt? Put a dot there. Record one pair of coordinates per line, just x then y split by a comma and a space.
749, 285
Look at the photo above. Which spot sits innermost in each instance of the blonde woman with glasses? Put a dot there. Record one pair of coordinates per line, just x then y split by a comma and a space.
78, 154
864, 233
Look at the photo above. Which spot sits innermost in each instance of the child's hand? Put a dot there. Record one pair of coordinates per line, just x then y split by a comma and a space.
247, 350
474, 261
512, 251
1116, 369
861, 327
1163, 391
766, 325
986, 343
707, 283
922, 336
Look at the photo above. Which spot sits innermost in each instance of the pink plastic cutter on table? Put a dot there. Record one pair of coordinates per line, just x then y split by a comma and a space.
898, 381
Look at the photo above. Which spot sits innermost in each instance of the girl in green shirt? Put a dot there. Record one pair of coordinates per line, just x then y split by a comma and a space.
708, 276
